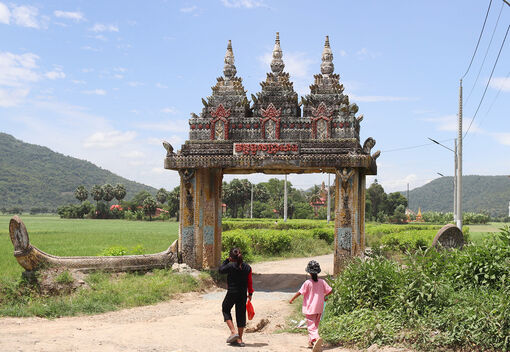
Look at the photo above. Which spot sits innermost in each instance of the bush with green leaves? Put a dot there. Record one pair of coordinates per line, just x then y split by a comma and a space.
235, 239
457, 299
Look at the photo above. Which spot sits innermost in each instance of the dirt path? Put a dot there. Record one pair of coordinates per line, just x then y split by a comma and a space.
192, 322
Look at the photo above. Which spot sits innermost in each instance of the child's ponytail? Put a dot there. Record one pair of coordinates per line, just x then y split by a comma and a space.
314, 277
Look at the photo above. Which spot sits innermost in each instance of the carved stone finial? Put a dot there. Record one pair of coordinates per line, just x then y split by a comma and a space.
229, 70
327, 66
169, 148
277, 64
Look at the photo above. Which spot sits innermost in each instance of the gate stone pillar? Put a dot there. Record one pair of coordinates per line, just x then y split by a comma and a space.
349, 216
200, 217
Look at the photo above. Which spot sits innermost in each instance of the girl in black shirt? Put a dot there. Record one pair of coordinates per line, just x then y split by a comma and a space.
239, 282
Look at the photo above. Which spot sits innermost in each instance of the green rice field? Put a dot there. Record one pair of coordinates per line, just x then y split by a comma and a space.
70, 237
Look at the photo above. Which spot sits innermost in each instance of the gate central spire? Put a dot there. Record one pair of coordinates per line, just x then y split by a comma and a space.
277, 64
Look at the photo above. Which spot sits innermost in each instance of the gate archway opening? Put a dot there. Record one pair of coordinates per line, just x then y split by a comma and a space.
272, 134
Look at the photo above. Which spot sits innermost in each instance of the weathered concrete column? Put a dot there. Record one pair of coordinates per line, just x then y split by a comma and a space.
200, 217
349, 216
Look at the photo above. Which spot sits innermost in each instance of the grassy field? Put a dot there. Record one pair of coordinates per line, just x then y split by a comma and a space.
478, 232
84, 237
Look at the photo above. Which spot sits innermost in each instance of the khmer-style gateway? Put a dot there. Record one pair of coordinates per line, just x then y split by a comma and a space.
274, 133
232, 135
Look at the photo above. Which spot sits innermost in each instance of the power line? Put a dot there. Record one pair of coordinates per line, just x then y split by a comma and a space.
488, 81
480, 37
486, 52
414, 146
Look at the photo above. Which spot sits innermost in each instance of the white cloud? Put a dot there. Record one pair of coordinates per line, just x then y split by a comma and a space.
364, 53
55, 74
502, 138
75, 16
158, 170
108, 139
377, 98
162, 86
5, 14
135, 84
77, 81
450, 123
342, 53
502, 83
90, 48
169, 110
17, 70
98, 27
13, 97
26, 16
95, 91
134, 154
189, 9
247, 4
118, 76
120, 69
101, 37
178, 126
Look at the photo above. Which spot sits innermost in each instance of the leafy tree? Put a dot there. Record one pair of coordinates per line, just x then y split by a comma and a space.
162, 195
260, 193
378, 200
150, 206
81, 193
120, 191
236, 194
108, 192
399, 215
97, 193
174, 201
394, 200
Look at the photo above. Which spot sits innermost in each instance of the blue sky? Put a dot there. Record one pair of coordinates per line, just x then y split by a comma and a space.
107, 81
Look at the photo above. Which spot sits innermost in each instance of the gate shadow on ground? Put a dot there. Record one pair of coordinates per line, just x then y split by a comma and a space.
278, 282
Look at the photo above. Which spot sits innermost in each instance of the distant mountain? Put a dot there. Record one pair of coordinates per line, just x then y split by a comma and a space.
34, 176
479, 193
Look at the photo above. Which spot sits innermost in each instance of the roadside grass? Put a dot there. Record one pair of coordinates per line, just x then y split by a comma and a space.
105, 292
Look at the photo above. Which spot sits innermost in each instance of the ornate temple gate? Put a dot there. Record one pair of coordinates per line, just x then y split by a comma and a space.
270, 135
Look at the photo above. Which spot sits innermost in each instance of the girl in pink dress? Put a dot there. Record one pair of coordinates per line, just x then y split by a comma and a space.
314, 291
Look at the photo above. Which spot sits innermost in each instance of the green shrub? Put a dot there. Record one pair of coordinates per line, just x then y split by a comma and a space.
324, 233
365, 284
114, 251
234, 239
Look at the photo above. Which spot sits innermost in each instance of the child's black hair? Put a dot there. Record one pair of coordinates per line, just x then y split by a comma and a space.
237, 256
314, 277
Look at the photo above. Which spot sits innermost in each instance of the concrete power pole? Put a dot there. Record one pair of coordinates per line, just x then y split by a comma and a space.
251, 203
329, 201
459, 163
285, 199
455, 185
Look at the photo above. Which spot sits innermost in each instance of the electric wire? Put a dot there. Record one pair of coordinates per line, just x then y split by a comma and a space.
486, 52
414, 146
480, 37
488, 81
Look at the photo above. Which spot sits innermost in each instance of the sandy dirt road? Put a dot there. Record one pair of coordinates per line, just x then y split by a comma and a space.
191, 322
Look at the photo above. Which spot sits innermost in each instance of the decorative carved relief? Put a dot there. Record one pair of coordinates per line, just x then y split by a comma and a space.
270, 124
368, 145
219, 125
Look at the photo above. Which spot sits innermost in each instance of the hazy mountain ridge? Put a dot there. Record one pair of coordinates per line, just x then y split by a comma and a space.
479, 194
35, 176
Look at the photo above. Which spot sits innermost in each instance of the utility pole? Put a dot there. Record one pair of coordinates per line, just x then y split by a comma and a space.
329, 201
459, 163
285, 199
455, 185
251, 203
